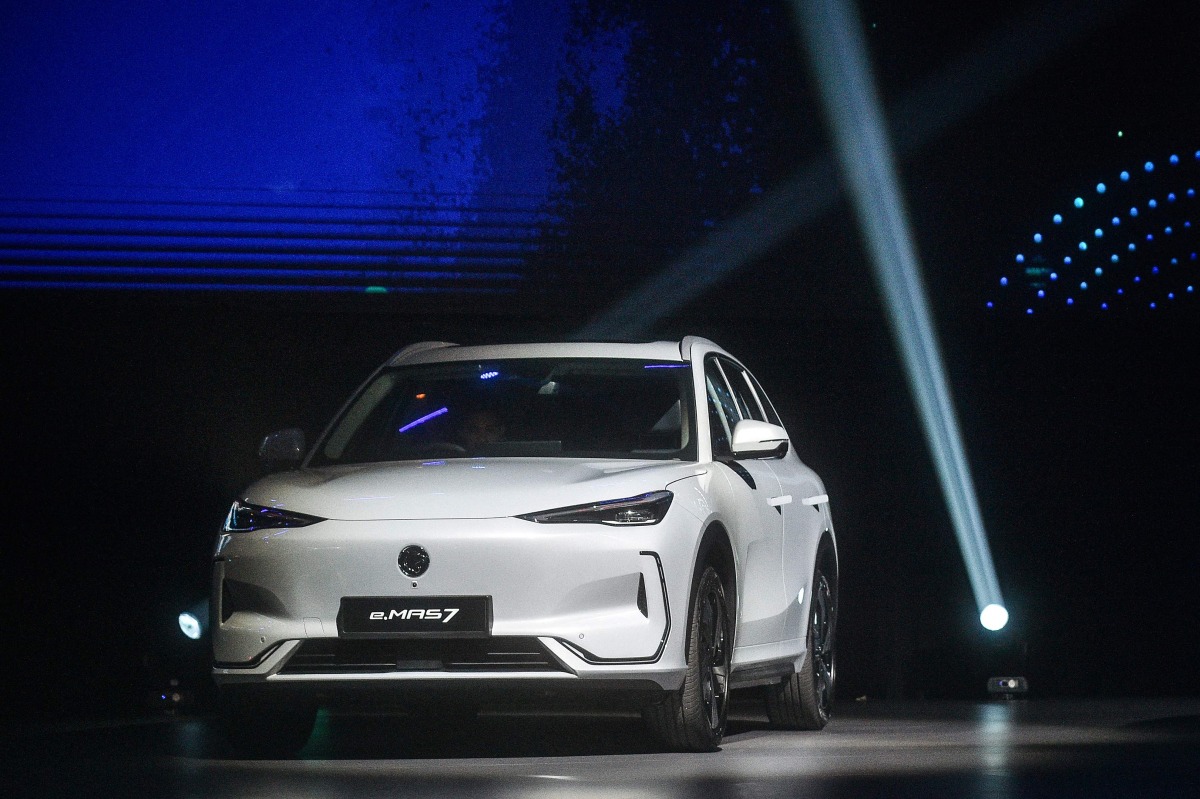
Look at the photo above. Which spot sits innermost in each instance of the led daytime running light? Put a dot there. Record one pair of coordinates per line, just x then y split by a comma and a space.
638, 511
245, 518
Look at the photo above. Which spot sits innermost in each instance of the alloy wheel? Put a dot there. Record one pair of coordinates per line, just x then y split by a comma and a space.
823, 616
715, 659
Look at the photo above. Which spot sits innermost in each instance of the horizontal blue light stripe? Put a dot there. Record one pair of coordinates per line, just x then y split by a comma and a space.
253, 260
226, 272
268, 229
241, 287
266, 247
430, 208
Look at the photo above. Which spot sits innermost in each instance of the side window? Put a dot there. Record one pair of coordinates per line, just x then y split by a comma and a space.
722, 410
743, 391
763, 400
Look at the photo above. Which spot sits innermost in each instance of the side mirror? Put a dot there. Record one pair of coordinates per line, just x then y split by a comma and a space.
282, 448
754, 439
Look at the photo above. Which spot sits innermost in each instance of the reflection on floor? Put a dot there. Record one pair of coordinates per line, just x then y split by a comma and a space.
1145, 747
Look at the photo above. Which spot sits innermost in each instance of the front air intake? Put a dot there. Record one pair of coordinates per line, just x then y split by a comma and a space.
381, 656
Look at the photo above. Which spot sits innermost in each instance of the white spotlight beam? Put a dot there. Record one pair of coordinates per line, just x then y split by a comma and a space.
834, 41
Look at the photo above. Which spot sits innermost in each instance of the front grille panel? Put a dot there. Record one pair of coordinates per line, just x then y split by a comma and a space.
342, 656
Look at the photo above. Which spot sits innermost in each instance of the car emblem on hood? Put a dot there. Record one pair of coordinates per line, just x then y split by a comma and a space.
414, 560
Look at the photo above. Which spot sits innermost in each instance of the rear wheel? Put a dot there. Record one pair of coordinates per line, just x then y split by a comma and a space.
261, 726
693, 718
804, 700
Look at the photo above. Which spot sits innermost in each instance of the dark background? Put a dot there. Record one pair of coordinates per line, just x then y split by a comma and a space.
131, 418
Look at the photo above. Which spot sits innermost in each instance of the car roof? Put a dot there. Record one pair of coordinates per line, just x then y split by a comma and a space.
438, 351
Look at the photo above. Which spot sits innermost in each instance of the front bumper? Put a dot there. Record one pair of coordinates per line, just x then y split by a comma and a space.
592, 602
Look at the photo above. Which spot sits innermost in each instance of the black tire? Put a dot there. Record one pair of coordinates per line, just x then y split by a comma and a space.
804, 701
260, 726
692, 719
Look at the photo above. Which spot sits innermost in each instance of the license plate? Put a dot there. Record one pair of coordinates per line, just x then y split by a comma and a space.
396, 617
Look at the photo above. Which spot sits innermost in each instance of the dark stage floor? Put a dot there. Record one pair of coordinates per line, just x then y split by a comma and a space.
1107, 748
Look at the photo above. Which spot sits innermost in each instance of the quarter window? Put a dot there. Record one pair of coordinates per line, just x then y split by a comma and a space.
763, 399
743, 392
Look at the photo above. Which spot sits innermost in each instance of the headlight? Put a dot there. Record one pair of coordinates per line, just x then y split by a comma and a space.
646, 509
245, 518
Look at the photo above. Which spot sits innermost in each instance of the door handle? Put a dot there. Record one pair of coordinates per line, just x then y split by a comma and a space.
817, 500
775, 502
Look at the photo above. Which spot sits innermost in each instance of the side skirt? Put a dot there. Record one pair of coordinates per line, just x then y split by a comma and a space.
761, 674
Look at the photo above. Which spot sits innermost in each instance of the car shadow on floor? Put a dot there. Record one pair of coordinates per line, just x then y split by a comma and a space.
341, 735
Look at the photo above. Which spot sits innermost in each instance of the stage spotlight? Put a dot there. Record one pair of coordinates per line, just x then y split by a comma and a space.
193, 620
1007, 687
190, 625
993, 617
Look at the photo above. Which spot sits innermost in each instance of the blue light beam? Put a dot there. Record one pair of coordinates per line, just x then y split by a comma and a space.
832, 34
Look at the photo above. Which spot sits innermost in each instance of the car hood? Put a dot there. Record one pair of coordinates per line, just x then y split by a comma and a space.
460, 488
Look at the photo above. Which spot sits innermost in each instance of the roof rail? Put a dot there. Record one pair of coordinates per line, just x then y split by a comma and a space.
412, 349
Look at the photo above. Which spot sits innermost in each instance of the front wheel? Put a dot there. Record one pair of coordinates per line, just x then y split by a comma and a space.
804, 700
692, 719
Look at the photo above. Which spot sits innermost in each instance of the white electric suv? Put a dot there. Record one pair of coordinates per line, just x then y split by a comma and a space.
532, 520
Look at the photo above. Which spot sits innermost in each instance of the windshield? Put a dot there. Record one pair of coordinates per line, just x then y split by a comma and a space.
538, 407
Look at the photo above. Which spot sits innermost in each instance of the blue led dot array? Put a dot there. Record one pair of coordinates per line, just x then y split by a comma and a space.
1149, 273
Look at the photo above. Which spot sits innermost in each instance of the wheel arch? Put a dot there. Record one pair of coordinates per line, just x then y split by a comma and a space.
827, 558
827, 562
716, 550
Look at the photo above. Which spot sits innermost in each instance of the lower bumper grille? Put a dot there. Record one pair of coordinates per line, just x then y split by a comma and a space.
341, 656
